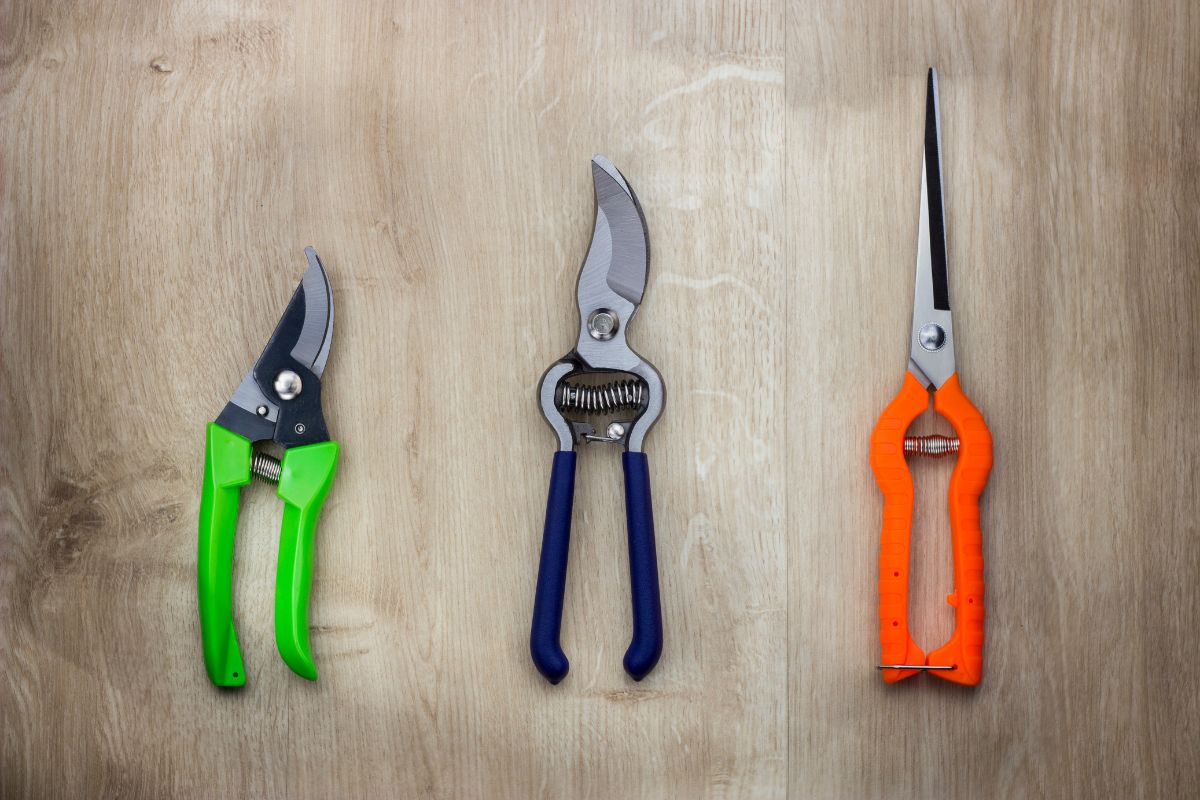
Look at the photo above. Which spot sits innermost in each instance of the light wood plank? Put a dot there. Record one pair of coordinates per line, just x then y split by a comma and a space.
164, 164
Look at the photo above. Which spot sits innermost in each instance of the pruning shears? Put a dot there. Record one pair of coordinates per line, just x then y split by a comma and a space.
278, 401
931, 368
611, 283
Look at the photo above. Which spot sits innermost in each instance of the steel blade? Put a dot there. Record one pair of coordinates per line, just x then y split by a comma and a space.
935, 216
316, 334
305, 332
619, 255
931, 349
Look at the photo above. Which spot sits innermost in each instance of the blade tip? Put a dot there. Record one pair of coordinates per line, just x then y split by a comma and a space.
607, 167
314, 261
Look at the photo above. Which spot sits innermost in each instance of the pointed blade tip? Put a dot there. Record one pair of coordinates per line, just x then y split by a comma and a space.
314, 260
326, 337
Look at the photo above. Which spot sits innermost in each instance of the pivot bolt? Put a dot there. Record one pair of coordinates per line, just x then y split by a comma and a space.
603, 324
287, 385
931, 337
615, 431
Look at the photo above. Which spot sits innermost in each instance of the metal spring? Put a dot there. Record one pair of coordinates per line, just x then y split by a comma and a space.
265, 468
622, 395
935, 446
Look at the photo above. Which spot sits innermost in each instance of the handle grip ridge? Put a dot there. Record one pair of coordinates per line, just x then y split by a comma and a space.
544, 645
964, 651
646, 645
895, 481
306, 474
226, 471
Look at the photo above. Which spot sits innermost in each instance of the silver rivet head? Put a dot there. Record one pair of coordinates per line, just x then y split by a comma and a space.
262, 411
603, 324
287, 385
300, 428
931, 337
616, 430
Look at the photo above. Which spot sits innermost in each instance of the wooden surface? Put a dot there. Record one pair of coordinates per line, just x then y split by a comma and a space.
165, 163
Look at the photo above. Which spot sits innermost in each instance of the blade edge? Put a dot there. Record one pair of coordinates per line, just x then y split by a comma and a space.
936, 218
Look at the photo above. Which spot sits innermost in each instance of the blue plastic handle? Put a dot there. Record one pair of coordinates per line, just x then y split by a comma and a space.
547, 653
646, 647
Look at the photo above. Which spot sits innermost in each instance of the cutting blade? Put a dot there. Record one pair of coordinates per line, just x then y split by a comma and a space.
316, 332
935, 218
304, 333
931, 353
619, 254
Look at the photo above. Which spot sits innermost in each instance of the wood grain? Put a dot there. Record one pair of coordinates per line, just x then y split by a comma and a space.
165, 163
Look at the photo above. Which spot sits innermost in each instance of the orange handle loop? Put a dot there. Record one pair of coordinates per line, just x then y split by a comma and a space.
895, 481
964, 651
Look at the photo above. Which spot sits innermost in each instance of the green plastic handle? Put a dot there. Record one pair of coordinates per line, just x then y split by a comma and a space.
305, 477
226, 471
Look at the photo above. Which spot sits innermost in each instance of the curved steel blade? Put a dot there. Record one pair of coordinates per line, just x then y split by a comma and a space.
619, 254
305, 332
306, 328
316, 335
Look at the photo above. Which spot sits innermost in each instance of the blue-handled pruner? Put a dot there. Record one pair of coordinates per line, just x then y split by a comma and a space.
611, 283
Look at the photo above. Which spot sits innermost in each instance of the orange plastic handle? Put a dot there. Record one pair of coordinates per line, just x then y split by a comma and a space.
964, 651
895, 481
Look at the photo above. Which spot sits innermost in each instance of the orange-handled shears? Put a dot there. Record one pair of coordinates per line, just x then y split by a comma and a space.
931, 368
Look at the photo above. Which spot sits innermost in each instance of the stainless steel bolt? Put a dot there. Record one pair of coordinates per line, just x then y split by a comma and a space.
603, 324
931, 337
287, 385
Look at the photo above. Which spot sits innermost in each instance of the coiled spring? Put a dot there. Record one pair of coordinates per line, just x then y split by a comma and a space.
935, 446
622, 395
266, 468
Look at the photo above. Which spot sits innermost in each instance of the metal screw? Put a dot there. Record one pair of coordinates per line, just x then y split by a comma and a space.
603, 324
616, 430
931, 337
261, 411
300, 428
287, 384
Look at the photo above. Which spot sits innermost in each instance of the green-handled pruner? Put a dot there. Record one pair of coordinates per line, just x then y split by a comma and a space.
279, 400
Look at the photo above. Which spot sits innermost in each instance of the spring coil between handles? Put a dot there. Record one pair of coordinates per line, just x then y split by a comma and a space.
622, 395
934, 446
266, 468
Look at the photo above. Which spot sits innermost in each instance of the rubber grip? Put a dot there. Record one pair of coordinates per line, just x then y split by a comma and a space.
646, 646
226, 471
964, 651
895, 481
306, 474
544, 645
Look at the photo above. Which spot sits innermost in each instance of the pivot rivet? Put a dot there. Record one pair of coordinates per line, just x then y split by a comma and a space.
603, 324
287, 385
931, 337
